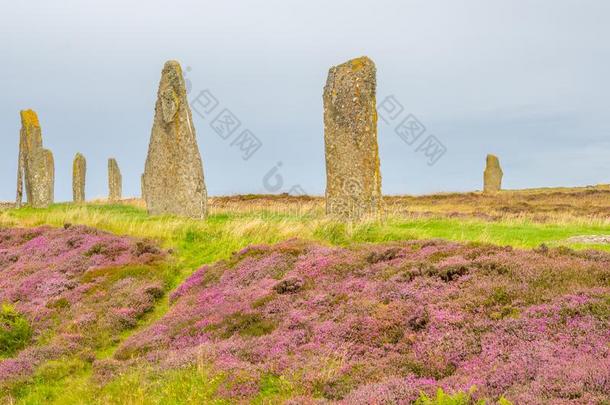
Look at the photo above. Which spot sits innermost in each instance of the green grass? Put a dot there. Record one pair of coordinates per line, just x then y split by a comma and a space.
68, 381
15, 330
194, 243
197, 242
460, 398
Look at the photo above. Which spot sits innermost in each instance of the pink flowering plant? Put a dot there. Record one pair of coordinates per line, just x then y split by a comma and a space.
69, 290
382, 324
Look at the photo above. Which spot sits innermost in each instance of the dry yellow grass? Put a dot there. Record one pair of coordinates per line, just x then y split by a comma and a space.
584, 205
558, 205
524, 218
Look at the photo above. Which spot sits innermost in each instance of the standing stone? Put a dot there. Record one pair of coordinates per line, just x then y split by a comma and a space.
79, 173
353, 178
115, 181
142, 188
492, 177
36, 167
173, 181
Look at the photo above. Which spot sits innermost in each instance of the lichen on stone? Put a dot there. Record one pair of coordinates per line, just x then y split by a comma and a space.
353, 178
36, 168
29, 118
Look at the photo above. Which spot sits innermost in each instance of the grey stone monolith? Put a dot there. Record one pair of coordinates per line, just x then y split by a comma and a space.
353, 178
173, 180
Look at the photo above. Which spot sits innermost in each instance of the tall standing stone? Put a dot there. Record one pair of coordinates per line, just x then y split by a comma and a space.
173, 181
79, 174
36, 168
142, 188
353, 178
115, 181
492, 177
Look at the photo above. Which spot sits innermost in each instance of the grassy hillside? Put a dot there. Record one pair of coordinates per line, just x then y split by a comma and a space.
528, 219
378, 323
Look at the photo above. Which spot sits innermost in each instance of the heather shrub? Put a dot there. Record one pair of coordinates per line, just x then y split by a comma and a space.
96, 249
15, 330
409, 330
380, 324
243, 324
70, 289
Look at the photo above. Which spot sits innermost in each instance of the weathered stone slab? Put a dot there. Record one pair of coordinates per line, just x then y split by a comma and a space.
492, 176
353, 178
36, 168
173, 181
115, 181
79, 174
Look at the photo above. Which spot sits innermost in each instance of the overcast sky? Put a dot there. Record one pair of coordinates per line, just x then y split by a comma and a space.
526, 80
